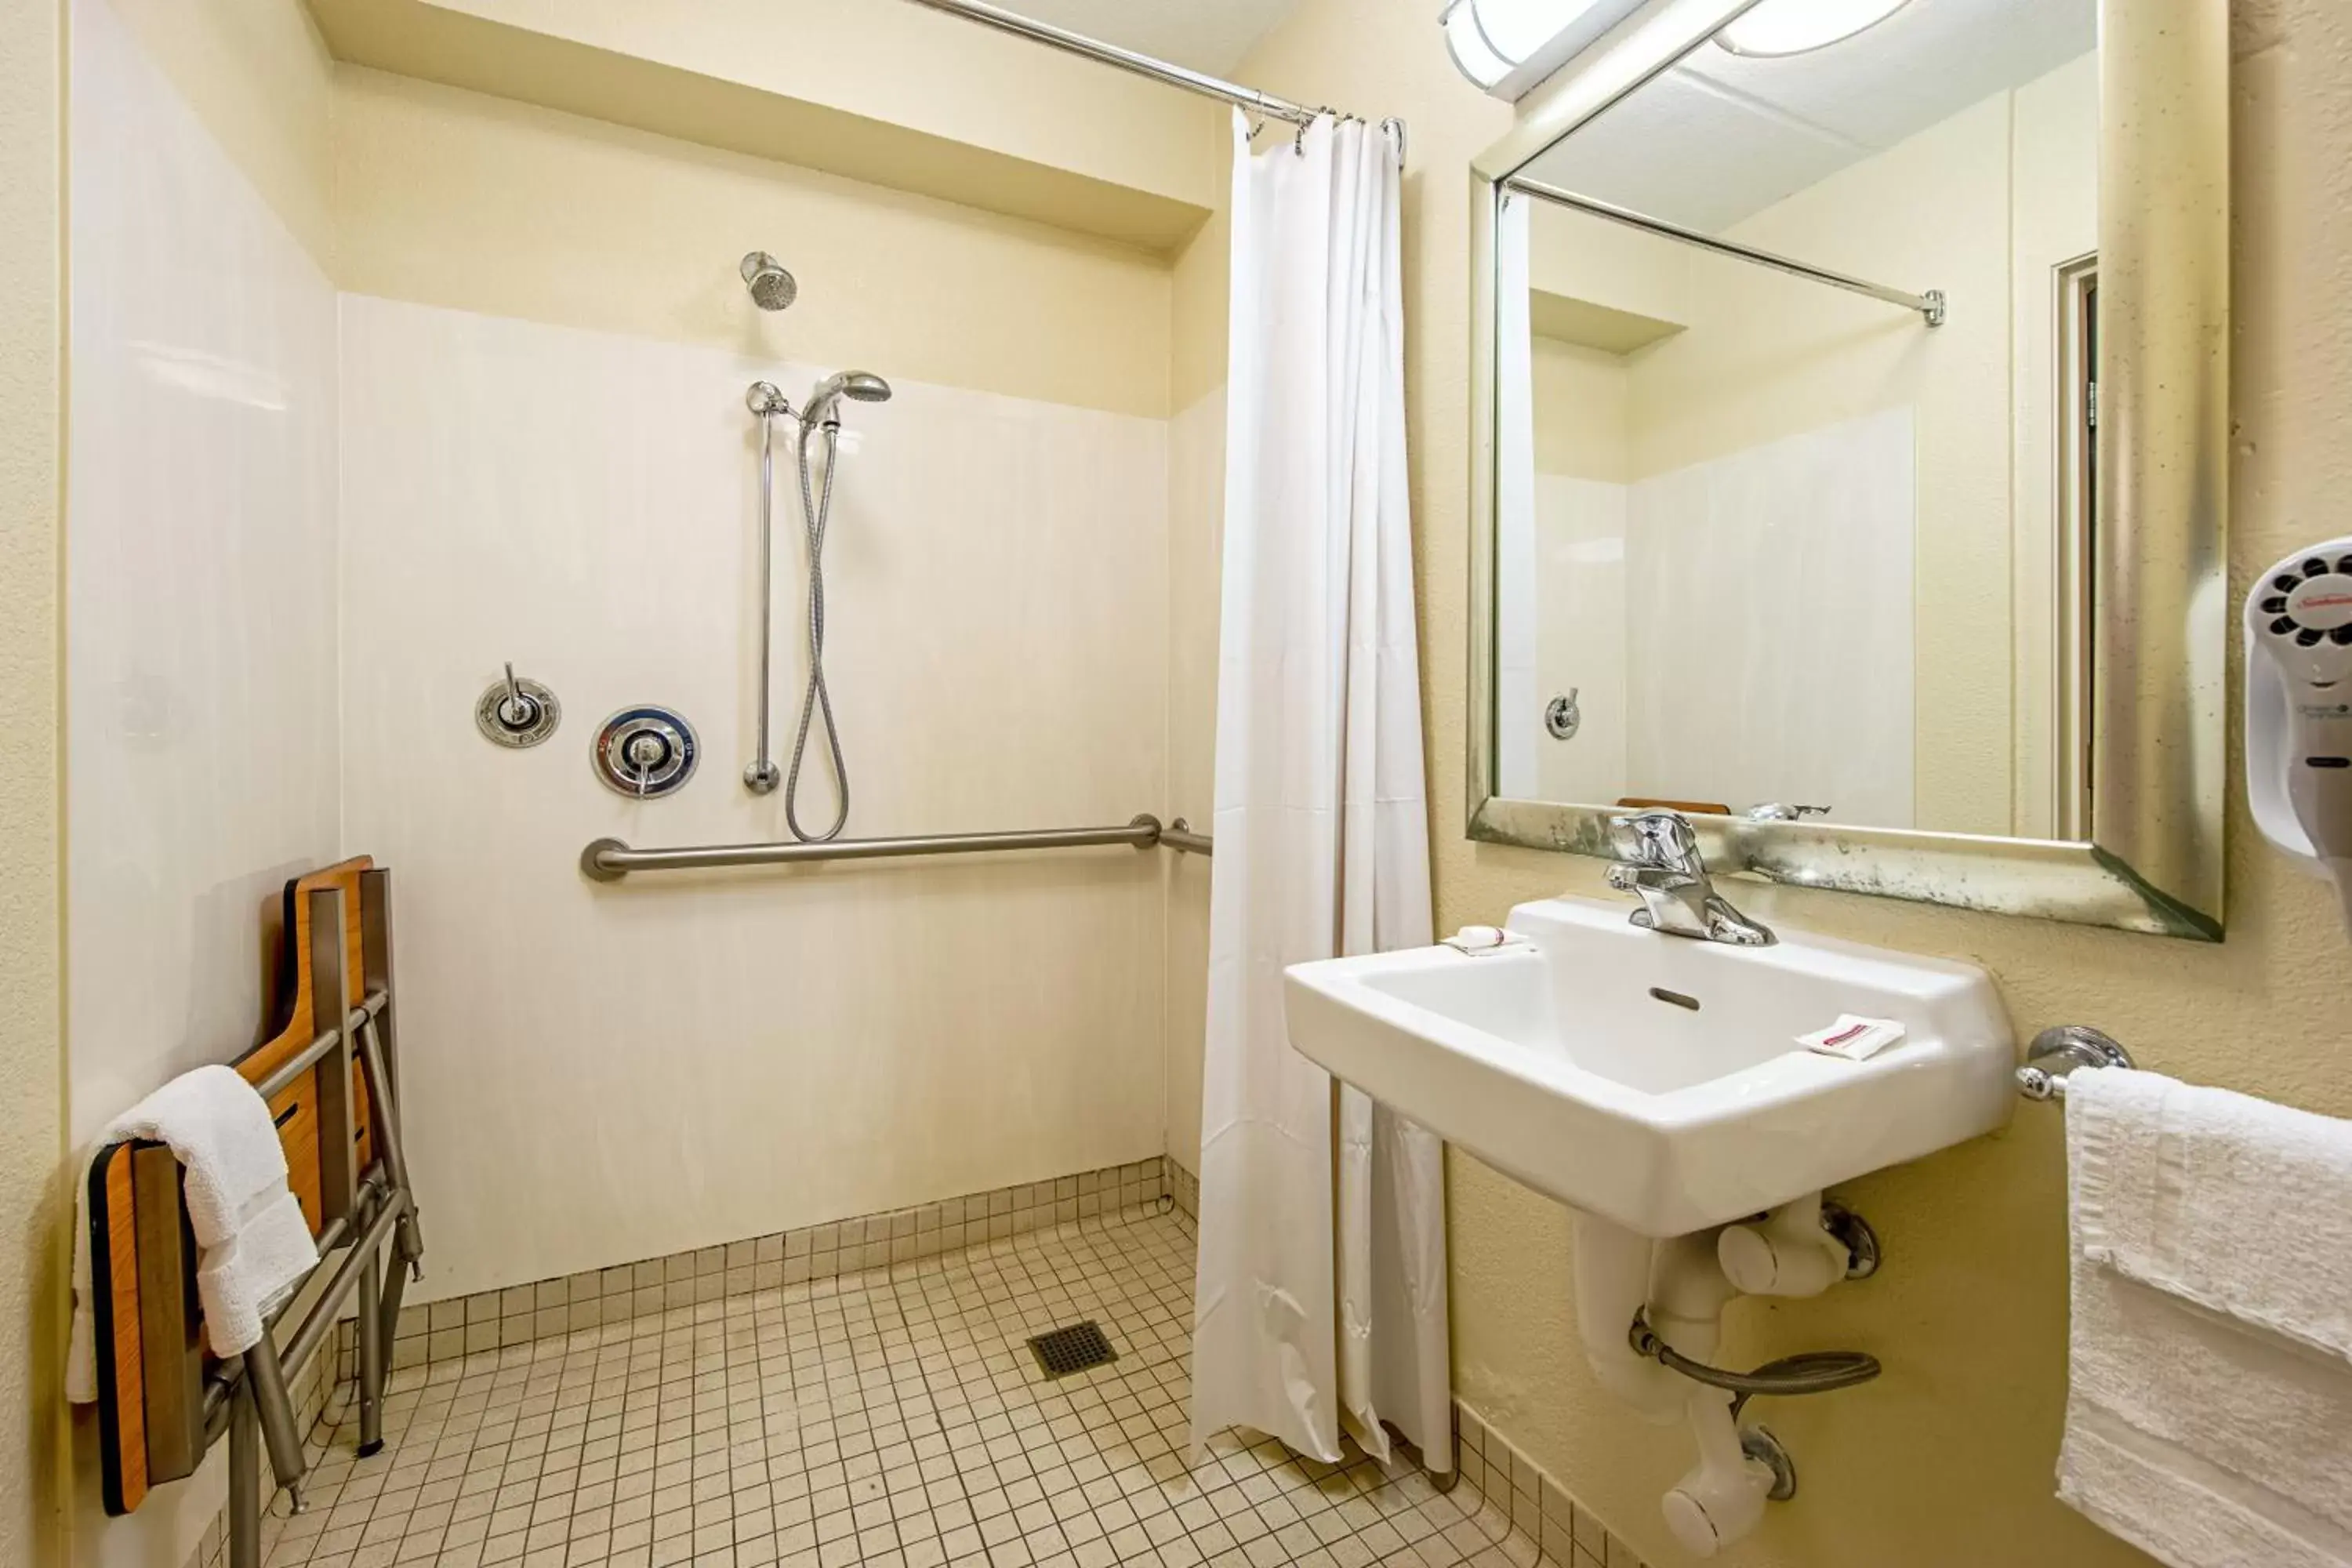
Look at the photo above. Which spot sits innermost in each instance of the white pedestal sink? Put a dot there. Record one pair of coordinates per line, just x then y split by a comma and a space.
1656, 1081
1655, 1084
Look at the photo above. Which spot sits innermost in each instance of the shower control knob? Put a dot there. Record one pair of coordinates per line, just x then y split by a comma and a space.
644, 752
1562, 718
517, 711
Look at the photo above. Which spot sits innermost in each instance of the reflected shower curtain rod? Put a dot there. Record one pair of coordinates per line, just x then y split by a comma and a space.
1244, 97
1930, 305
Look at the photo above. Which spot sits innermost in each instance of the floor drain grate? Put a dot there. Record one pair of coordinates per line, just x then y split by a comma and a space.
1063, 1351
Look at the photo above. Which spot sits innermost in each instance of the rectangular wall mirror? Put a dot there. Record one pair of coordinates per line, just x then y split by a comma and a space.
1851, 432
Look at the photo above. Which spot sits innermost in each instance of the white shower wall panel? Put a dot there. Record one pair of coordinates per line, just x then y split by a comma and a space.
1770, 658
199, 581
601, 1073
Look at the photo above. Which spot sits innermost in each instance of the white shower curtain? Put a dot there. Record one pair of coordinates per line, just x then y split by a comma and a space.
1320, 1306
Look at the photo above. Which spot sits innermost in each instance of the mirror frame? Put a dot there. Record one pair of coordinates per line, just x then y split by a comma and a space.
2159, 704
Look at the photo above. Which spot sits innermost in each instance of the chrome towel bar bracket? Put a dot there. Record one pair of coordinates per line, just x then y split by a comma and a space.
609, 859
2055, 1052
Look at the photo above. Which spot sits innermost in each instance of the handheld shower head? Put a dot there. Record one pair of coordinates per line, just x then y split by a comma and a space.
857, 386
772, 287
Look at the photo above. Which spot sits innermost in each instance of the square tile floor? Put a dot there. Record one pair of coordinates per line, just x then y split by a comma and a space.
895, 1418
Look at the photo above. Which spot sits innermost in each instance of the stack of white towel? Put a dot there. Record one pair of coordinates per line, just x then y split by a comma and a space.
254, 1245
2209, 1417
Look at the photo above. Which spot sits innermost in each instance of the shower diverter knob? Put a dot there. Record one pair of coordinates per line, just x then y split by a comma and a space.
644, 752
517, 713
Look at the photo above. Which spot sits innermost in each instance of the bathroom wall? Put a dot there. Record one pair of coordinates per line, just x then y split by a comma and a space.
1770, 609
33, 1183
1196, 473
1735, 549
257, 76
456, 198
201, 717
546, 348
1579, 576
1982, 205
679, 1061
1948, 1457
1767, 356
1194, 581
892, 95
200, 578
1575, 575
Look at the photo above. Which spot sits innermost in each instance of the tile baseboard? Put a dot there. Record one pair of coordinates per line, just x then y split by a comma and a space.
551, 1308
1568, 1533
1184, 1192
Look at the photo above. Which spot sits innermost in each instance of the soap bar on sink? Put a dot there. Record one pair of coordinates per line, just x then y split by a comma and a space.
1853, 1037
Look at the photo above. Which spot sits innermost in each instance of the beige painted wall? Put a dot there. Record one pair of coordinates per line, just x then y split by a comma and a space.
1947, 1460
32, 1100
449, 198
258, 76
439, 195
1583, 411
896, 94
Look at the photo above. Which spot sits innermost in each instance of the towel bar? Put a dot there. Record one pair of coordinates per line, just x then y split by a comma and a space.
2057, 1051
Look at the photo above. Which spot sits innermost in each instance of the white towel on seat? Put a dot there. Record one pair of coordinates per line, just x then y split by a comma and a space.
2209, 1410
254, 1246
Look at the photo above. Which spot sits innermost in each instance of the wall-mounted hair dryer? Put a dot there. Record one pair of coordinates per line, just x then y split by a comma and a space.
2299, 708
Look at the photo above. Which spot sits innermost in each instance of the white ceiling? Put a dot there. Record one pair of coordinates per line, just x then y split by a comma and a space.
1722, 136
1208, 36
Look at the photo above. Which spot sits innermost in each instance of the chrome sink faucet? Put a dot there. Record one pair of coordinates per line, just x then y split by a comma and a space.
1659, 859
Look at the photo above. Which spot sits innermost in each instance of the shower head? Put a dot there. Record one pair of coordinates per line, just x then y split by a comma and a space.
858, 385
772, 287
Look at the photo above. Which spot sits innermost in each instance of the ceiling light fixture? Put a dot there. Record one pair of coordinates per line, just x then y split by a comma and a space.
1780, 27
1507, 46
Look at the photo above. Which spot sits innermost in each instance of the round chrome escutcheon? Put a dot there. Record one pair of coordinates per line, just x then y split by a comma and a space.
644, 752
517, 717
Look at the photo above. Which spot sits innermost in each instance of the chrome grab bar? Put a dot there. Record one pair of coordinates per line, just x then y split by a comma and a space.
610, 859
2055, 1052
1179, 836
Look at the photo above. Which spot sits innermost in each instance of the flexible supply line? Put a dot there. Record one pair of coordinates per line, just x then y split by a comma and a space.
816, 505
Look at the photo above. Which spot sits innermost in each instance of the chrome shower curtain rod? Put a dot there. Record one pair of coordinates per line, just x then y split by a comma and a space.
1930, 305
1245, 98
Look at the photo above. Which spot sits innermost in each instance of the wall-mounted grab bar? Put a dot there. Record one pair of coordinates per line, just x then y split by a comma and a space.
1179, 836
2055, 1052
609, 859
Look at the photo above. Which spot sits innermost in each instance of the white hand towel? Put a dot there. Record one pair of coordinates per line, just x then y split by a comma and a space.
254, 1246
2209, 1408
